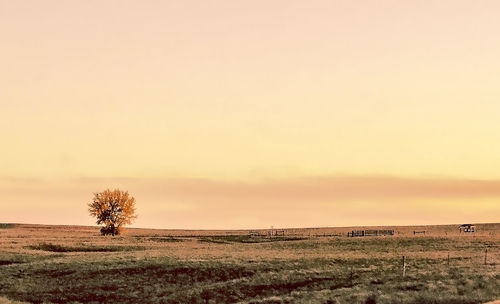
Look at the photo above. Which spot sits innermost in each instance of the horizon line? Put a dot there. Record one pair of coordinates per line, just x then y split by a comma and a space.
245, 229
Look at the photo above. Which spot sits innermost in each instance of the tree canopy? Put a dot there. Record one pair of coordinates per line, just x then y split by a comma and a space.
114, 209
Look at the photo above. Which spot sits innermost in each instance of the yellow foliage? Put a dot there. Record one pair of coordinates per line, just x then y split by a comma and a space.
114, 209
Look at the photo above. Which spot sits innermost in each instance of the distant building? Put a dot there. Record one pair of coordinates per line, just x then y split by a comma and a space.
469, 228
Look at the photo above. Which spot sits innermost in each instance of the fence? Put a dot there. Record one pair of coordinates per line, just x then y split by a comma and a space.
360, 233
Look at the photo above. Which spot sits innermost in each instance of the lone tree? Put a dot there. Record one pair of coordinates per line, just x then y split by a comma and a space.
114, 209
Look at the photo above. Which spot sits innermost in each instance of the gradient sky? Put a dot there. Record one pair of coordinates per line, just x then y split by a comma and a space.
242, 114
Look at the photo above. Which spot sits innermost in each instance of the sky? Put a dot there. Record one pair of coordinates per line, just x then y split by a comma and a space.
251, 114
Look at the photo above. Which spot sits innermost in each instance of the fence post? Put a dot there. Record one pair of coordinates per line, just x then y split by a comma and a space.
486, 256
448, 259
404, 266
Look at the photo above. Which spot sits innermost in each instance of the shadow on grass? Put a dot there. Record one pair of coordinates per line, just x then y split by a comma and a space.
166, 239
9, 262
227, 239
60, 248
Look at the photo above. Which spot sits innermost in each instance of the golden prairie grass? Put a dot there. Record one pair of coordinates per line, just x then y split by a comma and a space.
4, 300
59, 264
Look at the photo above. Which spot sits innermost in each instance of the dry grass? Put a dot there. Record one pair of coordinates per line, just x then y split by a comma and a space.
70, 264
7, 301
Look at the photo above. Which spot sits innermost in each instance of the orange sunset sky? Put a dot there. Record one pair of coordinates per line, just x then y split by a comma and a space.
247, 114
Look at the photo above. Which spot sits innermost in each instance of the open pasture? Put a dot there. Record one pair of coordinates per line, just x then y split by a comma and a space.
74, 264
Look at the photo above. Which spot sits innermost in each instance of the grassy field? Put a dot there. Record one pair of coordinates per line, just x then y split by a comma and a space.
73, 264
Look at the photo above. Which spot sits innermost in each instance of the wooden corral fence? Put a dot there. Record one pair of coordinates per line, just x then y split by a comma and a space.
418, 232
355, 233
329, 235
253, 233
276, 232
271, 233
